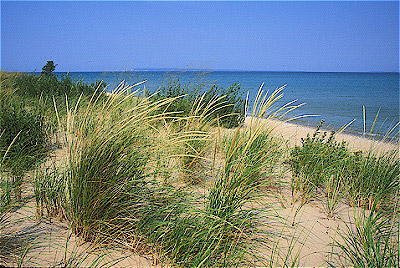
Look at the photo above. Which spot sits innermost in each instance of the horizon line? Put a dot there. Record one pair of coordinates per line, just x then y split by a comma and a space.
206, 70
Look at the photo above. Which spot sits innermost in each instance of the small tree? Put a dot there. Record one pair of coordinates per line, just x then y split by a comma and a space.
49, 68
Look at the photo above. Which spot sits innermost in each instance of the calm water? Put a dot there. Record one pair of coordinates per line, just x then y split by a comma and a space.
337, 97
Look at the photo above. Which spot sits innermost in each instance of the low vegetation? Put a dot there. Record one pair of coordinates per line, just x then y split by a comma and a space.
27, 130
373, 242
362, 178
49, 189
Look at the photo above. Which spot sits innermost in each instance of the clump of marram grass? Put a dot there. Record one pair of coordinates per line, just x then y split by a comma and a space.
5, 185
248, 154
6, 192
195, 119
221, 230
374, 179
10, 197
113, 193
49, 188
191, 137
10, 183
231, 107
372, 242
198, 137
109, 191
26, 129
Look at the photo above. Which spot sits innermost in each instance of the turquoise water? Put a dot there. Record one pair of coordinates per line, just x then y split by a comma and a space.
337, 97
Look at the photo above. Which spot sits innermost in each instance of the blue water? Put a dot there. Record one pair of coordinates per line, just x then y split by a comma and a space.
336, 97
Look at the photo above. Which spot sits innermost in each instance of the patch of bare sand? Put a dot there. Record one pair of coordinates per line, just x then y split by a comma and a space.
43, 243
306, 236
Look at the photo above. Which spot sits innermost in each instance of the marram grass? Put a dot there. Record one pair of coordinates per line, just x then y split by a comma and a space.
372, 242
108, 189
112, 196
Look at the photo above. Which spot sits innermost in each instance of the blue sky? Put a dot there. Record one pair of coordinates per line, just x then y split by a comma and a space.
271, 36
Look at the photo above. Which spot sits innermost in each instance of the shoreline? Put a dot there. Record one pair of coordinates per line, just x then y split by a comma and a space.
370, 136
293, 132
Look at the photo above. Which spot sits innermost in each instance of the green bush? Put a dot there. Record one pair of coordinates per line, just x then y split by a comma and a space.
321, 163
49, 68
28, 133
30, 85
317, 159
229, 109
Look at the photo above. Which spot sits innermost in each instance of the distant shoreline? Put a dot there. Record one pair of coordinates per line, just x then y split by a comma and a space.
227, 71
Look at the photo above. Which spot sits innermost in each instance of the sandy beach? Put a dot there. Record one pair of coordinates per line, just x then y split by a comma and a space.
313, 231
294, 132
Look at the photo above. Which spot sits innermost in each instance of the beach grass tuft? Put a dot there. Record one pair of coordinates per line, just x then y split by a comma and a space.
372, 242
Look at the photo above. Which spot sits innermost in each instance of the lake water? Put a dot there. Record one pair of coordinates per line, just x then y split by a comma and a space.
337, 98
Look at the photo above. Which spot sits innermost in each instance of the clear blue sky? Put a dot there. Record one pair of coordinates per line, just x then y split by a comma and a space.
271, 36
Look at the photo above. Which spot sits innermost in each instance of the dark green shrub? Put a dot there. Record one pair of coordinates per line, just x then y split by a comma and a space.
30, 85
28, 133
31, 90
364, 179
49, 68
229, 110
36, 96
317, 159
